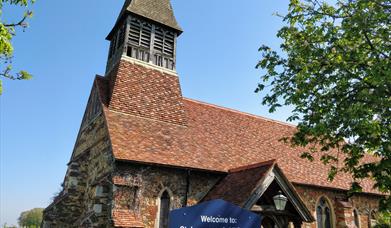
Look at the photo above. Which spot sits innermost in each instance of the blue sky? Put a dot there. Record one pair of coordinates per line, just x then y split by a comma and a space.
65, 47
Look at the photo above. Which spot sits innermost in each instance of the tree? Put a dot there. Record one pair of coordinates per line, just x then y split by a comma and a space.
31, 218
334, 70
6, 226
383, 220
7, 32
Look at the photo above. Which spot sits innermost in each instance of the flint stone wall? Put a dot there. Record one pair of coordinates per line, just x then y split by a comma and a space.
342, 205
151, 181
91, 165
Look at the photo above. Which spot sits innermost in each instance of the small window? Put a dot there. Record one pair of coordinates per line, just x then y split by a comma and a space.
99, 191
145, 39
159, 40
134, 32
140, 33
164, 209
164, 42
324, 214
169, 44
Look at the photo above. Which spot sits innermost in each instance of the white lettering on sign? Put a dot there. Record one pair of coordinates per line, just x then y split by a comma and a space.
212, 219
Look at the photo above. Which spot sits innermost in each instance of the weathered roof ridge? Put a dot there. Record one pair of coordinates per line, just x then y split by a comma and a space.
240, 112
253, 166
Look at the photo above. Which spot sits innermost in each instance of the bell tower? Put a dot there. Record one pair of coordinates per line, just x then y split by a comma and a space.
141, 62
145, 30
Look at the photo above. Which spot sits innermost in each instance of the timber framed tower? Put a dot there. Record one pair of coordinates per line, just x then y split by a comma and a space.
145, 30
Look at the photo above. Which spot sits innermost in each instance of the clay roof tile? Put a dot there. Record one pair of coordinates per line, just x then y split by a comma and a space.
217, 140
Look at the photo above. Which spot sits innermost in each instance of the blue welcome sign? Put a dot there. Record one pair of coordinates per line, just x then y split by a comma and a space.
216, 214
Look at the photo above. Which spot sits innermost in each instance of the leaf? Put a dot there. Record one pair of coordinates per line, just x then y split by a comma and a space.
308, 156
332, 173
355, 188
7, 31
23, 75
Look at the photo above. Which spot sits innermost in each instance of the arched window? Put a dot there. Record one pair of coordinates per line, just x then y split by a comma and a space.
356, 218
324, 218
164, 209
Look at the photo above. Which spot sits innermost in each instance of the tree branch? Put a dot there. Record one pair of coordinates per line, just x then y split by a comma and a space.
372, 46
20, 23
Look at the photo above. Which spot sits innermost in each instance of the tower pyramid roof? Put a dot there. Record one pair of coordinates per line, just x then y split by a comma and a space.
156, 10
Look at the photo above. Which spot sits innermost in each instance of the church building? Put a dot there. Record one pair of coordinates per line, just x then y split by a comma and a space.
143, 149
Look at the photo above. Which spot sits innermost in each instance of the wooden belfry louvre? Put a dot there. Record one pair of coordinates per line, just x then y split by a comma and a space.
145, 30
146, 41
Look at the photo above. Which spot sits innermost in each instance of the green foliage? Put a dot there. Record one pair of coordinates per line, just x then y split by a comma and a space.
335, 71
7, 31
31, 218
6, 226
383, 220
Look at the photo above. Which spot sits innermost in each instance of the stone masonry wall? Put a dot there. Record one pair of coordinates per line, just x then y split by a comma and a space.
151, 181
80, 204
342, 206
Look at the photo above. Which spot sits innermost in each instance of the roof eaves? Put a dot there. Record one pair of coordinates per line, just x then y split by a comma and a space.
172, 166
337, 189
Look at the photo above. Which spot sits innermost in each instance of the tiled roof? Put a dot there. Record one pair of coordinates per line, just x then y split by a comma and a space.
146, 92
216, 139
157, 10
126, 219
243, 180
